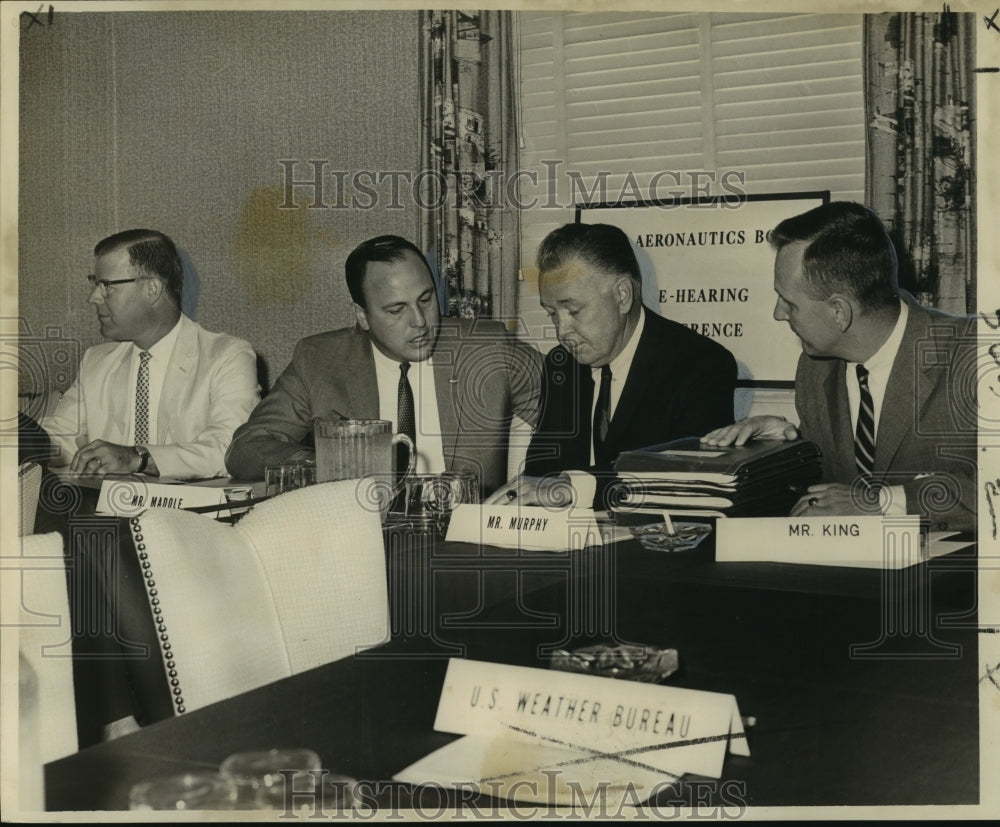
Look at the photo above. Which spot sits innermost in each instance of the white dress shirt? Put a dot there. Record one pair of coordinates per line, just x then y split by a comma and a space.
430, 447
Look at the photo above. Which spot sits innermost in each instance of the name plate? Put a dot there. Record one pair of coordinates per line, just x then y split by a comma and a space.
872, 542
127, 497
663, 728
525, 527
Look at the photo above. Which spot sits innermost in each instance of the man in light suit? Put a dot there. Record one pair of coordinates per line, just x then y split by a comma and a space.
884, 387
622, 376
165, 396
465, 378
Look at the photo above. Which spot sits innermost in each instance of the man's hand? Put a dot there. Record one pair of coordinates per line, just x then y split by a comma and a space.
834, 499
754, 427
99, 457
551, 492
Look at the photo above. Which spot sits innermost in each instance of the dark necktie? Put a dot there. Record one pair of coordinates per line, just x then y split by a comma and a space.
405, 417
602, 412
864, 434
142, 400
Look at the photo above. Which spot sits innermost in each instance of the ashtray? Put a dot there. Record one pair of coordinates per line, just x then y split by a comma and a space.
631, 663
686, 536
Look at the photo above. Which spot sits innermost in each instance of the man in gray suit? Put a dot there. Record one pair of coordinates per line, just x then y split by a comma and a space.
884, 387
462, 379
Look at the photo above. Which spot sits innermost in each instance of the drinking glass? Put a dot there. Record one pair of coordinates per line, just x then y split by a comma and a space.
427, 500
317, 793
258, 778
288, 476
189, 791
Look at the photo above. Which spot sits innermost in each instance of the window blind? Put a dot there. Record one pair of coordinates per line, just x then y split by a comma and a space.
608, 100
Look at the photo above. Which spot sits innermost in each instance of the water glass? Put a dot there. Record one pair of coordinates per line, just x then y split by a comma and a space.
316, 793
288, 476
258, 776
189, 791
241, 501
427, 500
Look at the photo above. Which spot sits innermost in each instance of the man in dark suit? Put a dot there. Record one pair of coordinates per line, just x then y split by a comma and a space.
465, 379
884, 387
622, 376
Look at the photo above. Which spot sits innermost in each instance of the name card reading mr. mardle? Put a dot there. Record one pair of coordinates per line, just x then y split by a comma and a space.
673, 730
127, 497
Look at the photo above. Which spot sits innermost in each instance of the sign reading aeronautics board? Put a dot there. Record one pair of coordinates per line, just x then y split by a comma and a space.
707, 264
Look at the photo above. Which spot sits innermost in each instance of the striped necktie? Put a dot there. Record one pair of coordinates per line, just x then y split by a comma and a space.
864, 434
142, 400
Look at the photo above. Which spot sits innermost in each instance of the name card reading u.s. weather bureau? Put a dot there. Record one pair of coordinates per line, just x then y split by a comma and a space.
667, 729
525, 527
127, 497
875, 542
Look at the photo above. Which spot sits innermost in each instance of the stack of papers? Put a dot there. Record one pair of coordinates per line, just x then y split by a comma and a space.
763, 478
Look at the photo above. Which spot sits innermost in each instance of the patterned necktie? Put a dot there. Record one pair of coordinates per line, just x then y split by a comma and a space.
602, 412
142, 400
864, 434
405, 417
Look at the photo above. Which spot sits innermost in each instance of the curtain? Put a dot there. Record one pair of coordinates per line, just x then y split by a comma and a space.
468, 147
920, 175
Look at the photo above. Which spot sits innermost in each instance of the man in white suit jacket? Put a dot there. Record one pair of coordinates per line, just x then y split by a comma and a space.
172, 413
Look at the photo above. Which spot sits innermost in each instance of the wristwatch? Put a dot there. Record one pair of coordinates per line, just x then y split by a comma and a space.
143, 453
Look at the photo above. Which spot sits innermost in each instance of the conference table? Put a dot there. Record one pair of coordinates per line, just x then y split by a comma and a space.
858, 687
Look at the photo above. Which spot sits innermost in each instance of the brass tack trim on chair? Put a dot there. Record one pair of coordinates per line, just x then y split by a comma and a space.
158, 620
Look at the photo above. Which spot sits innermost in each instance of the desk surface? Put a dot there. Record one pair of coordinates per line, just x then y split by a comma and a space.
845, 714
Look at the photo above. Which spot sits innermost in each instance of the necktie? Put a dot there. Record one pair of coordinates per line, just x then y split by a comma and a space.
602, 412
405, 417
864, 434
142, 400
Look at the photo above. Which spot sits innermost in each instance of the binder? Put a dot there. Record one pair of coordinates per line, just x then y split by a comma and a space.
761, 478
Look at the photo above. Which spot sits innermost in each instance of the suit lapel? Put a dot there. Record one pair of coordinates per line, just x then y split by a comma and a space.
360, 382
839, 410
119, 403
894, 425
646, 362
447, 388
182, 362
584, 414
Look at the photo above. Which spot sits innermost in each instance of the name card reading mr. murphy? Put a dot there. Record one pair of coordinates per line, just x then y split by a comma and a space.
126, 497
670, 729
524, 527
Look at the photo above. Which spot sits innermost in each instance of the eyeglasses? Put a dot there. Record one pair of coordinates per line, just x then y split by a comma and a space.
104, 284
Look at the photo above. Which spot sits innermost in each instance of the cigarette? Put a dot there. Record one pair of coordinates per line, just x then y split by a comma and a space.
669, 524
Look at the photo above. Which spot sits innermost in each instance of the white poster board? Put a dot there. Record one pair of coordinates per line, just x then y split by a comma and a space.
706, 263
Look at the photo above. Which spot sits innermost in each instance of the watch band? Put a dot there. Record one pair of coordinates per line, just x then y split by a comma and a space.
143, 453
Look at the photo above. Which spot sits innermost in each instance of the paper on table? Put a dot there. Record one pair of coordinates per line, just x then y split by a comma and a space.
938, 543
530, 770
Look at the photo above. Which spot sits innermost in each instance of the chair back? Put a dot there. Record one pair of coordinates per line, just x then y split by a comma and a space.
45, 641
300, 581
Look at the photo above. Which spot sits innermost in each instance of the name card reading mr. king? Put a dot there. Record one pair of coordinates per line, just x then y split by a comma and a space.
667, 728
871, 542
